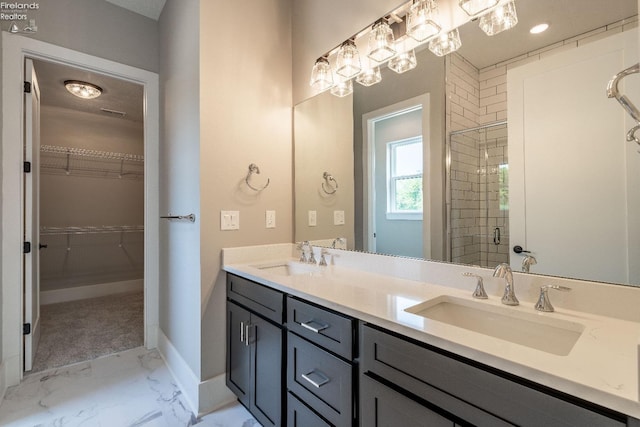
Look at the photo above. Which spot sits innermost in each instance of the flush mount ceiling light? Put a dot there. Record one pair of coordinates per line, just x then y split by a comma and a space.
321, 75
445, 43
540, 28
381, 42
474, 7
348, 60
499, 19
82, 89
420, 20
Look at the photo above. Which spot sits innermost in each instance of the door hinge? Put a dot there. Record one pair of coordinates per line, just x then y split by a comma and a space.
26, 167
26, 247
27, 87
26, 328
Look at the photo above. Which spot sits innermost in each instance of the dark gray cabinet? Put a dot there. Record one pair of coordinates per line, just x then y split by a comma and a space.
300, 415
255, 353
320, 366
467, 391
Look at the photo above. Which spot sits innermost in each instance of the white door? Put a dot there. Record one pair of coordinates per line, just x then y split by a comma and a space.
568, 162
31, 216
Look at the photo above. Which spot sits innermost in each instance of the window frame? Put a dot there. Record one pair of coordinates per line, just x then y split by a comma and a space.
392, 178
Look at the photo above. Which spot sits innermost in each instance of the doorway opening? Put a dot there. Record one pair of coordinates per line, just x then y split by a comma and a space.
88, 204
398, 178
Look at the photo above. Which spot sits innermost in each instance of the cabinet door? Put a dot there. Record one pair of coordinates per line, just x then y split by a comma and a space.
299, 415
381, 406
266, 344
238, 352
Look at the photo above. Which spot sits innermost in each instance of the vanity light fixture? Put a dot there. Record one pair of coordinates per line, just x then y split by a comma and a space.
348, 60
381, 42
420, 20
342, 88
474, 7
540, 28
369, 75
403, 62
82, 89
445, 43
501, 18
321, 75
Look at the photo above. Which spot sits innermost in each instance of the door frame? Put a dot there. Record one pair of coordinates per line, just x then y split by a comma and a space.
14, 51
369, 121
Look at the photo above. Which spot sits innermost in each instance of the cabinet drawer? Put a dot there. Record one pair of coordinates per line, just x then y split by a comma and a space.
263, 300
325, 328
299, 415
427, 373
321, 380
381, 406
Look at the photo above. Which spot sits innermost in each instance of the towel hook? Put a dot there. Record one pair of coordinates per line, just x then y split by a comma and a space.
328, 178
253, 168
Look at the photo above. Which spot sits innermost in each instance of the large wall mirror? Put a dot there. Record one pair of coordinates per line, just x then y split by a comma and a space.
510, 142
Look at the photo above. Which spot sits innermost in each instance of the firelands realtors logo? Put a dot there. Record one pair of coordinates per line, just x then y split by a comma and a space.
14, 11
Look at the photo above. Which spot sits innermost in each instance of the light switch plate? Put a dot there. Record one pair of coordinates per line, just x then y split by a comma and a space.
338, 217
229, 220
270, 219
313, 218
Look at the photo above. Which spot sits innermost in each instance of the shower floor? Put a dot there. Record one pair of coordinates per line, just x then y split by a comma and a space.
81, 330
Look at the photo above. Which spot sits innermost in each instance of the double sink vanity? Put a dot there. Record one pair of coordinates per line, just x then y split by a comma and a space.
374, 340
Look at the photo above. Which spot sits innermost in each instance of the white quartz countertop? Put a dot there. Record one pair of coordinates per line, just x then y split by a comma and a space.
602, 367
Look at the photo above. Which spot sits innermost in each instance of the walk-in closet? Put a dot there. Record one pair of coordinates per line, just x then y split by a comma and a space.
91, 216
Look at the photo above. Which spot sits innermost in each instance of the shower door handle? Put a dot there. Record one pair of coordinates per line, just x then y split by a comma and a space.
496, 236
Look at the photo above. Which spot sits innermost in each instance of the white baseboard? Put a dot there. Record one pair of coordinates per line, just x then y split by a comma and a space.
90, 291
182, 373
214, 394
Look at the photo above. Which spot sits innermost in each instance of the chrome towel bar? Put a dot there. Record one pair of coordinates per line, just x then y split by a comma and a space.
190, 217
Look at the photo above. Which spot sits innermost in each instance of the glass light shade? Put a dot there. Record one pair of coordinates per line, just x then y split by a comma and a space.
445, 43
369, 76
321, 75
499, 19
420, 20
83, 90
403, 62
474, 7
342, 88
348, 60
381, 42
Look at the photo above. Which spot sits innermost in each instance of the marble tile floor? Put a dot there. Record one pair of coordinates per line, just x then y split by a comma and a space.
129, 389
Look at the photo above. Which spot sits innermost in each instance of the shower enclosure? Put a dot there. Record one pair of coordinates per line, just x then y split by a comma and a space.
478, 195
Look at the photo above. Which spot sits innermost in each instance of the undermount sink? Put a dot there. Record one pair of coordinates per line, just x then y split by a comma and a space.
290, 268
541, 332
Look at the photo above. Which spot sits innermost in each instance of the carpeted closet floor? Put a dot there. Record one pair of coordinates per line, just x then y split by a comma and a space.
81, 330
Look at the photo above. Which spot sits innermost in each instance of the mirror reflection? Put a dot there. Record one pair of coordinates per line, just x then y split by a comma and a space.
519, 147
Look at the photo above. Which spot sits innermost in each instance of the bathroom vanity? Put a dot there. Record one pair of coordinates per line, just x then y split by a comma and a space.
358, 343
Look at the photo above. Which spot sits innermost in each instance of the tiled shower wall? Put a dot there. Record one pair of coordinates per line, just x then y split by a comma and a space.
474, 98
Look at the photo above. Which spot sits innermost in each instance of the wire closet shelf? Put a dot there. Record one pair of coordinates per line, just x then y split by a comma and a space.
58, 160
102, 229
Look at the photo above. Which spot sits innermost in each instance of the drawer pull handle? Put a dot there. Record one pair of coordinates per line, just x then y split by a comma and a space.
242, 332
246, 334
315, 378
314, 326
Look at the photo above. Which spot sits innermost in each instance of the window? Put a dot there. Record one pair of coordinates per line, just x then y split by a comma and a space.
503, 181
404, 179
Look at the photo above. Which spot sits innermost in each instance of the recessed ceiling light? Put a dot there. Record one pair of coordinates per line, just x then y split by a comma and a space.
539, 28
83, 90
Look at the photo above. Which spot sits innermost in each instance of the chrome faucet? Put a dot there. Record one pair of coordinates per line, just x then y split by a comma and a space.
543, 303
340, 240
504, 271
527, 262
323, 260
479, 292
303, 256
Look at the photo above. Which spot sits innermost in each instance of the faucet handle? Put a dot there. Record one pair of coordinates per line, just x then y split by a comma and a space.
312, 257
479, 293
323, 259
543, 303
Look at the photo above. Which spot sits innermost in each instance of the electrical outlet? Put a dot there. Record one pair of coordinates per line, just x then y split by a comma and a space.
338, 217
229, 220
313, 218
270, 219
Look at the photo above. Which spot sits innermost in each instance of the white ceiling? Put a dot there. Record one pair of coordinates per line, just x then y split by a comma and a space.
149, 8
